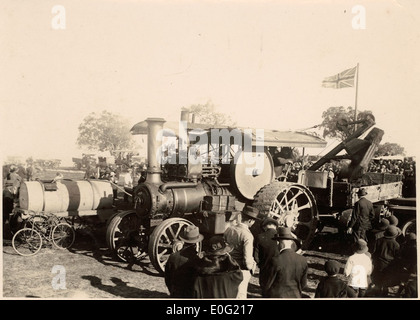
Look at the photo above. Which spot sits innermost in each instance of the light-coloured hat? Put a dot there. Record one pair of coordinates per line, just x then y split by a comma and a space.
191, 234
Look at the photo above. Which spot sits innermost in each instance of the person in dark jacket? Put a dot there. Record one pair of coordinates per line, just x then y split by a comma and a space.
386, 252
377, 233
217, 274
180, 265
331, 286
286, 272
361, 218
265, 247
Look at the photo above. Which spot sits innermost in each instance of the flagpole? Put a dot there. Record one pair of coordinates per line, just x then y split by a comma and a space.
355, 102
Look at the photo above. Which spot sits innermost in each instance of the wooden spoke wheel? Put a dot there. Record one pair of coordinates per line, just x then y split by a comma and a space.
165, 240
124, 237
293, 205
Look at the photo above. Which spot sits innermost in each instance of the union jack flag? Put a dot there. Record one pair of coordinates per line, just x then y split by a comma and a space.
344, 79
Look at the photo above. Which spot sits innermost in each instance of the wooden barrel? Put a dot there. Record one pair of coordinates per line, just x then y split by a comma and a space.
31, 196
102, 194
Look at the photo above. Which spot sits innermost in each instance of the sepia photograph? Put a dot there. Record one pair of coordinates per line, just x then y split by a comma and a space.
182, 151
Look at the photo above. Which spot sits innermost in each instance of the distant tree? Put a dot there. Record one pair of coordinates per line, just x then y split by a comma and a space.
336, 115
206, 114
105, 132
390, 149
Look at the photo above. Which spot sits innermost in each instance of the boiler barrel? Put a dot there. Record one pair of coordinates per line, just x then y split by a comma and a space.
70, 195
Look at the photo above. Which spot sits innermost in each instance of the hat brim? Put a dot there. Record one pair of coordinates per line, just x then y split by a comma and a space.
268, 221
297, 240
391, 236
200, 238
220, 252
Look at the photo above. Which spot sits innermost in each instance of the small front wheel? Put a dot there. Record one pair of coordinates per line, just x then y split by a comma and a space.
63, 235
27, 242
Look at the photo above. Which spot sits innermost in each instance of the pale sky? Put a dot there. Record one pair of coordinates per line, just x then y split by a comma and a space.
261, 62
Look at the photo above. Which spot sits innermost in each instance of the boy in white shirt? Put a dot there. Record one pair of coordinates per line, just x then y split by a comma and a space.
358, 268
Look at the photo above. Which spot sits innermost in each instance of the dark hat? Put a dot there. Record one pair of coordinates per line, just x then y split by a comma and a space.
332, 267
391, 232
383, 224
251, 212
393, 220
361, 192
191, 234
218, 246
284, 233
267, 221
361, 246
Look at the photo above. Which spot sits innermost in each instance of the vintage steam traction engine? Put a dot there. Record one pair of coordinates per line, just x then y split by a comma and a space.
211, 194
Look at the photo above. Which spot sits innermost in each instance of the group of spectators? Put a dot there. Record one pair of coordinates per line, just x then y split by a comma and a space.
381, 257
112, 174
226, 265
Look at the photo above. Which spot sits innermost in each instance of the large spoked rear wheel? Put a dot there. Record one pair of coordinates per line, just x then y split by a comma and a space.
293, 205
165, 240
27, 242
123, 236
63, 235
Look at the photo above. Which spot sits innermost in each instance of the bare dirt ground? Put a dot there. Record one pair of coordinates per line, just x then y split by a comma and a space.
92, 273
89, 271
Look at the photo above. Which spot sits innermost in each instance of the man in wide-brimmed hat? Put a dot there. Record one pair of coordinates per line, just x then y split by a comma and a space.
377, 233
240, 238
358, 268
361, 218
386, 251
180, 265
286, 272
266, 247
217, 275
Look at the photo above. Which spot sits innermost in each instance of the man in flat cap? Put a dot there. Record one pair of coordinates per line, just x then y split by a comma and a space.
240, 238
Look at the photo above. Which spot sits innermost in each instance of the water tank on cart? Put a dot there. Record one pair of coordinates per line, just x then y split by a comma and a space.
68, 198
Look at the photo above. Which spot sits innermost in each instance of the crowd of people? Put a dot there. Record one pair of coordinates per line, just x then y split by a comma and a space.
381, 257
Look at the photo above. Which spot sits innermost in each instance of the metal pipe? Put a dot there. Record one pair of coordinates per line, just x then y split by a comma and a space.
174, 185
154, 142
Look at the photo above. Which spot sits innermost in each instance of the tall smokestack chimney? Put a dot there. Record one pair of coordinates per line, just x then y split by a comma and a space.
185, 115
154, 142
